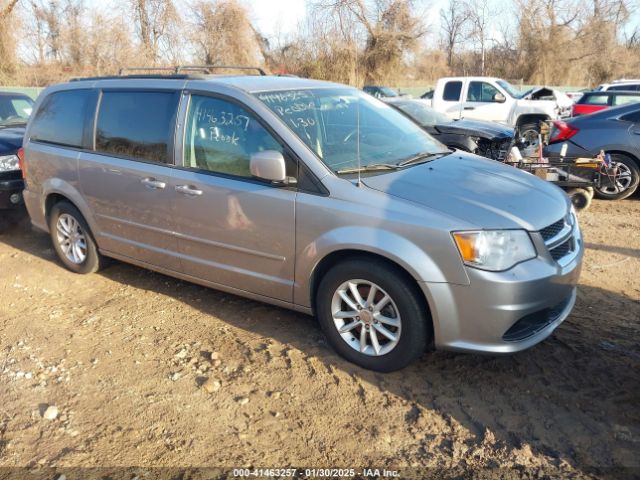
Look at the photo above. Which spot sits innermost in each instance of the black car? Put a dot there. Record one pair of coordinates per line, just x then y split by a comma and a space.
487, 139
15, 109
380, 91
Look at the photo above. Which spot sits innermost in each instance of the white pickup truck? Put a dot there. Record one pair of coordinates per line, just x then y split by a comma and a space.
494, 99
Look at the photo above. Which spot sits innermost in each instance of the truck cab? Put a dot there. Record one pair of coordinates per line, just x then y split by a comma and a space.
496, 100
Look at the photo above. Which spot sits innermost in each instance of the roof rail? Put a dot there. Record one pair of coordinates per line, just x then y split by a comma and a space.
190, 68
143, 76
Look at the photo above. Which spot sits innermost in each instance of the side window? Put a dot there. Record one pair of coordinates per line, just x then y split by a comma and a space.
60, 120
22, 107
625, 99
633, 117
481, 92
452, 91
595, 100
136, 124
221, 136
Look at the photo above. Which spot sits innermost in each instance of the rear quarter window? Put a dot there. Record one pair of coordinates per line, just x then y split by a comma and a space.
452, 91
633, 117
60, 120
594, 100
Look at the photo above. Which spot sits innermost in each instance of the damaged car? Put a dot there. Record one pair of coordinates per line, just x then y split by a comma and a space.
15, 109
496, 100
487, 139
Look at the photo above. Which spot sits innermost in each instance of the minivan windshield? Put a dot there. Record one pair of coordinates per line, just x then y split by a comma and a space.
343, 124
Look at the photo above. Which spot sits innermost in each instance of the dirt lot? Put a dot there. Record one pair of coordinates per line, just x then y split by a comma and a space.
123, 355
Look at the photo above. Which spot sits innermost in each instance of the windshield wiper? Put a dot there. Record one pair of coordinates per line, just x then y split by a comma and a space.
422, 157
374, 167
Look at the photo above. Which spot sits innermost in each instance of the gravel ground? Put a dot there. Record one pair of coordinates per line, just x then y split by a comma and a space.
132, 368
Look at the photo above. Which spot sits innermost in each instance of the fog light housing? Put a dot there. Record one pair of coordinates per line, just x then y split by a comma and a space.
15, 198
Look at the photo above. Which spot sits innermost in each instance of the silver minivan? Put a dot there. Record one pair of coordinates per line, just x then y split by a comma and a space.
309, 195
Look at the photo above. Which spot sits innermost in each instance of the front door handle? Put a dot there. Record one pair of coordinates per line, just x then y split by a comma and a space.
469, 108
188, 190
153, 183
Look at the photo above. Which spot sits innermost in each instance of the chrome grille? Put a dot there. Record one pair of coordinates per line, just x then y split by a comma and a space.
562, 250
552, 230
559, 238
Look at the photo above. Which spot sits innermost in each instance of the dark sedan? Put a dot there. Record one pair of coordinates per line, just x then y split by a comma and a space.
617, 132
15, 109
487, 139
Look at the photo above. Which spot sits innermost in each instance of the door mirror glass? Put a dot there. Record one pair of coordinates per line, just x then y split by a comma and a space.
268, 165
499, 98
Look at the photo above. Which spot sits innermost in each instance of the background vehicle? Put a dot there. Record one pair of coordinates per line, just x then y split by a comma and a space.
620, 85
15, 109
616, 131
309, 195
487, 139
379, 91
591, 102
494, 99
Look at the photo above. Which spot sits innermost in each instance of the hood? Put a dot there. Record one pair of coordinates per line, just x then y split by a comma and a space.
477, 128
483, 192
11, 139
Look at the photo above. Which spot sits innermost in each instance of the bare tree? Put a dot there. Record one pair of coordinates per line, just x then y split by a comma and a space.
7, 41
453, 20
223, 34
479, 14
391, 28
154, 21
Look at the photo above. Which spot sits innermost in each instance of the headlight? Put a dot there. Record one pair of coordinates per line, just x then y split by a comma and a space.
494, 250
8, 163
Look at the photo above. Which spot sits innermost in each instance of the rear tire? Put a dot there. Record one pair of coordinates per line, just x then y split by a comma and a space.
363, 330
72, 239
580, 198
628, 183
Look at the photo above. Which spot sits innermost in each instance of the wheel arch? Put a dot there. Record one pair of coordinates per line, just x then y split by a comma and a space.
337, 256
525, 118
55, 191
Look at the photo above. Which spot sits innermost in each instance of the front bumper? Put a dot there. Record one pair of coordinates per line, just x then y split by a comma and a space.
506, 312
11, 186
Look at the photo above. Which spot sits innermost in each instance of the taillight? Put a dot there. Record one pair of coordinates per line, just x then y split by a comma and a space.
562, 131
21, 162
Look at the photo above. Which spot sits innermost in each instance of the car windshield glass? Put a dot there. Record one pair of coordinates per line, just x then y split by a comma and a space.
14, 109
343, 124
510, 89
388, 92
423, 114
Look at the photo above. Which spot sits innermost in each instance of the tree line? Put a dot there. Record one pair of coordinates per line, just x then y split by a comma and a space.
395, 42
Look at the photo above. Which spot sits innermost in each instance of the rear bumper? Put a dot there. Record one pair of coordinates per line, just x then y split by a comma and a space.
11, 193
505, 312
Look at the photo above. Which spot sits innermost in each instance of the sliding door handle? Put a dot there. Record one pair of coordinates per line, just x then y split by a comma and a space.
189, 190
153, 183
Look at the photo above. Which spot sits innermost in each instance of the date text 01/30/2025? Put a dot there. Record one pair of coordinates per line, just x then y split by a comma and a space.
315, 473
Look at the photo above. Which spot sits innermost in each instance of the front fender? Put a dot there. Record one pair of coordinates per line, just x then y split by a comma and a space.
389, 245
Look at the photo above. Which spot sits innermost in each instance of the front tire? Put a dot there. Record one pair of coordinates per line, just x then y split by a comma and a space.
72, 239
529, 133
626, 181
373, 315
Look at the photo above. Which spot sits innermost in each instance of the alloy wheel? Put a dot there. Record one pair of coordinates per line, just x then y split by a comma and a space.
366, 317
71, 239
